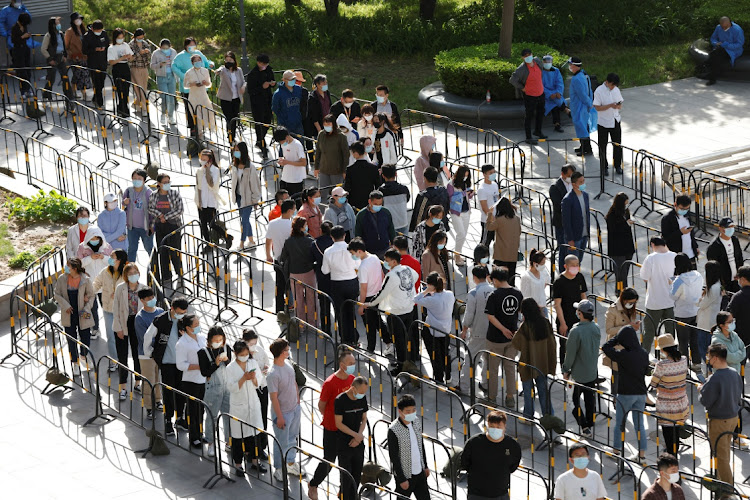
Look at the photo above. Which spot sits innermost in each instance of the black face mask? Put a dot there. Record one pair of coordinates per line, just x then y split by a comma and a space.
376, 124
229, 65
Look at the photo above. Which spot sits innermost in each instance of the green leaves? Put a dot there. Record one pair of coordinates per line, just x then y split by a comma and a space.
43, 207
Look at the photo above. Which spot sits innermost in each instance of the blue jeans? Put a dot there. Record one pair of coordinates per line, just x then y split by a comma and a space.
245, 212
704, 340
287, 437
111, 346
167, 84
134, 235
541, 391
626, 403
581, 245
217, 399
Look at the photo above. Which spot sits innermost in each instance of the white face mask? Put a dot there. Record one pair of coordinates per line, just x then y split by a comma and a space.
243, 358
216, 345
674, 477
629, 306
202, 162
253, 348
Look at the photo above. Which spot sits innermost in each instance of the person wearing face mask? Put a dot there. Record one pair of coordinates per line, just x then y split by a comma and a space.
460, 192
727, 251
184, 62
370, 274
710, 305
620, 241
77, 232
105, 284
554, 86
668, 378
436, 258
375, 225
54, 51
666, 484
231, 91
347, 129
207, 194
149, 369
579, 482
340, 211
567, 289
94, 253
383, 105
242, 382
621, 313
431, 195
75, 296
278, 231
401, 243
284, 394
165, 207
297, 262
8, 17
160, 343
348, 107
94, 44
687, 292
318, 104
739, 305
438, 303
557, 192
482, 257
365, 128
727, 42
139, 219
396, 197
608, 103
350, 410
581, 105
20, 51
197, 81
678, 231
292, 160
342, 268
331, 155
310, 210
488, 193
81, 79
260, 83
527, 79
119, 55
113, 223
576, 216
507, 226
161, 64
725, 333
657, 271
139, 65
362, 177
425, 229
125, 306
286, 104
260, 354
384, 141
490, 458
245, 190
475, 325
337, 383
535, 280
213, 360
193, 381
406, 451
426, 146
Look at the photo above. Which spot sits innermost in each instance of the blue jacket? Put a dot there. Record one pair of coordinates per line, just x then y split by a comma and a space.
732, 40
376, 229
553, 84
113, 225
182, 64
581, 103
9, 17
285, 104
572, 218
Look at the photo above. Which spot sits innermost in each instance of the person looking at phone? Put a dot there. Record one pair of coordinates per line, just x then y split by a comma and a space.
608, 102
678, 231
213, 360
657, 271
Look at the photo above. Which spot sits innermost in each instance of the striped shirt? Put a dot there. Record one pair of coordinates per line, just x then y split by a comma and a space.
671, 398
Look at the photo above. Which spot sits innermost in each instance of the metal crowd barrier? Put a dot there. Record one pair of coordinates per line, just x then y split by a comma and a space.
381, 395
15, 152
297, 486
604, 400
314, 357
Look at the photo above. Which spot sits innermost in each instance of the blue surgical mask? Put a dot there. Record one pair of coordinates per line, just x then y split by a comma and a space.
133, 278
151, 302
547, 66
368, 149
328, 128
167, 186
380, 99
237, 154
495, 433
58, 27
179, 316
441, 246
304, 230
528, 59
316, 200
191, 48
732, 326
582, 187
355, 257
120, 41
410, 417
442, 163
377, 208
324, 88
386, 265
729, 232
580, 462
291, 82
682, 211
83, 220
435, 220
198, 64
484, 260
137, 183
358, 396
342, 199
111, 261
166, 52
66, 269
351, 369
95, 241
197, 330
493, 176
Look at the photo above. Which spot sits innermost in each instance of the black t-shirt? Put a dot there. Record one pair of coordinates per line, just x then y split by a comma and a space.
428, 232
569, 290
490, 465
351, 410
503, 304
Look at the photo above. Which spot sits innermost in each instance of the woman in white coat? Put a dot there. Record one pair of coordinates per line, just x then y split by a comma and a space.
242, 380
197, 81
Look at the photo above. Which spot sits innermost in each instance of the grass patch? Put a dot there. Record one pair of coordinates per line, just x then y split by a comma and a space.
6, 246
22, 261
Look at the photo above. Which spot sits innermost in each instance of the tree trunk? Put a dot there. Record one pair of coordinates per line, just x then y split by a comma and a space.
427, 9
332, 7
506, 29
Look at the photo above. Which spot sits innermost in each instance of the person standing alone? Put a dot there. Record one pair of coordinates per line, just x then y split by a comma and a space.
527, 79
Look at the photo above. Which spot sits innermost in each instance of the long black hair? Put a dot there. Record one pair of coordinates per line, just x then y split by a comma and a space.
505, 208
713, 274
52, 30
244, 158
532, 316
618, 207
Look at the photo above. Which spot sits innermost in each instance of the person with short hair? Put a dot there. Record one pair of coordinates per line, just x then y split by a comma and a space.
165, 208
581, 104
425, 229
331, 155
667, 483
576, 216
557, 192
475, 324
527, 79
554, 87
678, 231
490, 458
161, 64
536, 280
721, 396
287, 104
488, 193
278, 231
193, 381
383, 104
260, 82
348, 107
568, 289
739, 305
579, 482
214, 360
657, 270
362, 177
374, 225
317, 250
727, 251
293, 161
608, 103
430, 196
406, 451
340, 265
396, 198
284, 394
279, 197
143, 320
337, 383
350, 409
687, 292
727, 43
370, 274
94, 45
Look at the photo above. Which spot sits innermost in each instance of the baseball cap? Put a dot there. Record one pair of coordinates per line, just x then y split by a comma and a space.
299, 77
288, 75
339, 191
585, 306
110, 197
726, 222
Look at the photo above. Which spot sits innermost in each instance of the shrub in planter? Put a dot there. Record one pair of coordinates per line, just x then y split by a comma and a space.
471, 71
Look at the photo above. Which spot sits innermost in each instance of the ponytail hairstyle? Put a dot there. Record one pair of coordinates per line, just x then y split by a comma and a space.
721, 318
536, 256
435, 280
75, 263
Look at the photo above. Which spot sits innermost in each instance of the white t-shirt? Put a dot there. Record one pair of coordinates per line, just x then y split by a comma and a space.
293, 151
729, 248
657, 269
570, 487
416, 458
604, 96
687, 246
279, 230
208, 200
371, 274
117, 51
489, 193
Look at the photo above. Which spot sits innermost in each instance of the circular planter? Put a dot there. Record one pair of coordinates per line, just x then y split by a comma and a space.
741, 71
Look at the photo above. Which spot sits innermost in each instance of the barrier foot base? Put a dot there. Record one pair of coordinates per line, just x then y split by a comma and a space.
602, 193
213, 480
11, 120
75, 149
105, 417
23, 357
38, 134
50, 388
225, 309
621, 473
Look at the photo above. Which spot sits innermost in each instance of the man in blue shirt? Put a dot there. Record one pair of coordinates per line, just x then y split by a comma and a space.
726, 43
286, 104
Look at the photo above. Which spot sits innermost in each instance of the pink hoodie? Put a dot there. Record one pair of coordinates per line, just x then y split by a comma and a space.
426, 143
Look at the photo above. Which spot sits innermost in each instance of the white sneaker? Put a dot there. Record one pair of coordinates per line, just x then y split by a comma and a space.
211, 450
390, 350
76, 370
163, 119
172, 120
279, 476
94, 333
293, 469
123, 395
112, 367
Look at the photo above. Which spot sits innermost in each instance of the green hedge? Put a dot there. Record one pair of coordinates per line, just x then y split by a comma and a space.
471, 71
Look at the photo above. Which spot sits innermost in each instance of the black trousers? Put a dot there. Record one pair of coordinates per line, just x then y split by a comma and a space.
406, 348
281, 283
487, 237
238, 453
341, 291
231, 109
206, 217
556, 114
373, 324
671, 438
262, 440
615, 135
437, 348
688, 336
121, 76
324, 308
511, 270
194, 409
351, 460
292, 187
188, 112
330, 452
60, 67
98, 78
417, 486
716, 59
584, 419
166, 256
262, 115
122, 350
534, 106
173, 403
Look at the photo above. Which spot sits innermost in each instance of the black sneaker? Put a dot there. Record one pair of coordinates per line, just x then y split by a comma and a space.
196, 444
540, 135
239, 472
149, 414
558, 128
531, 140
181, 423
168, 429
259, 467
